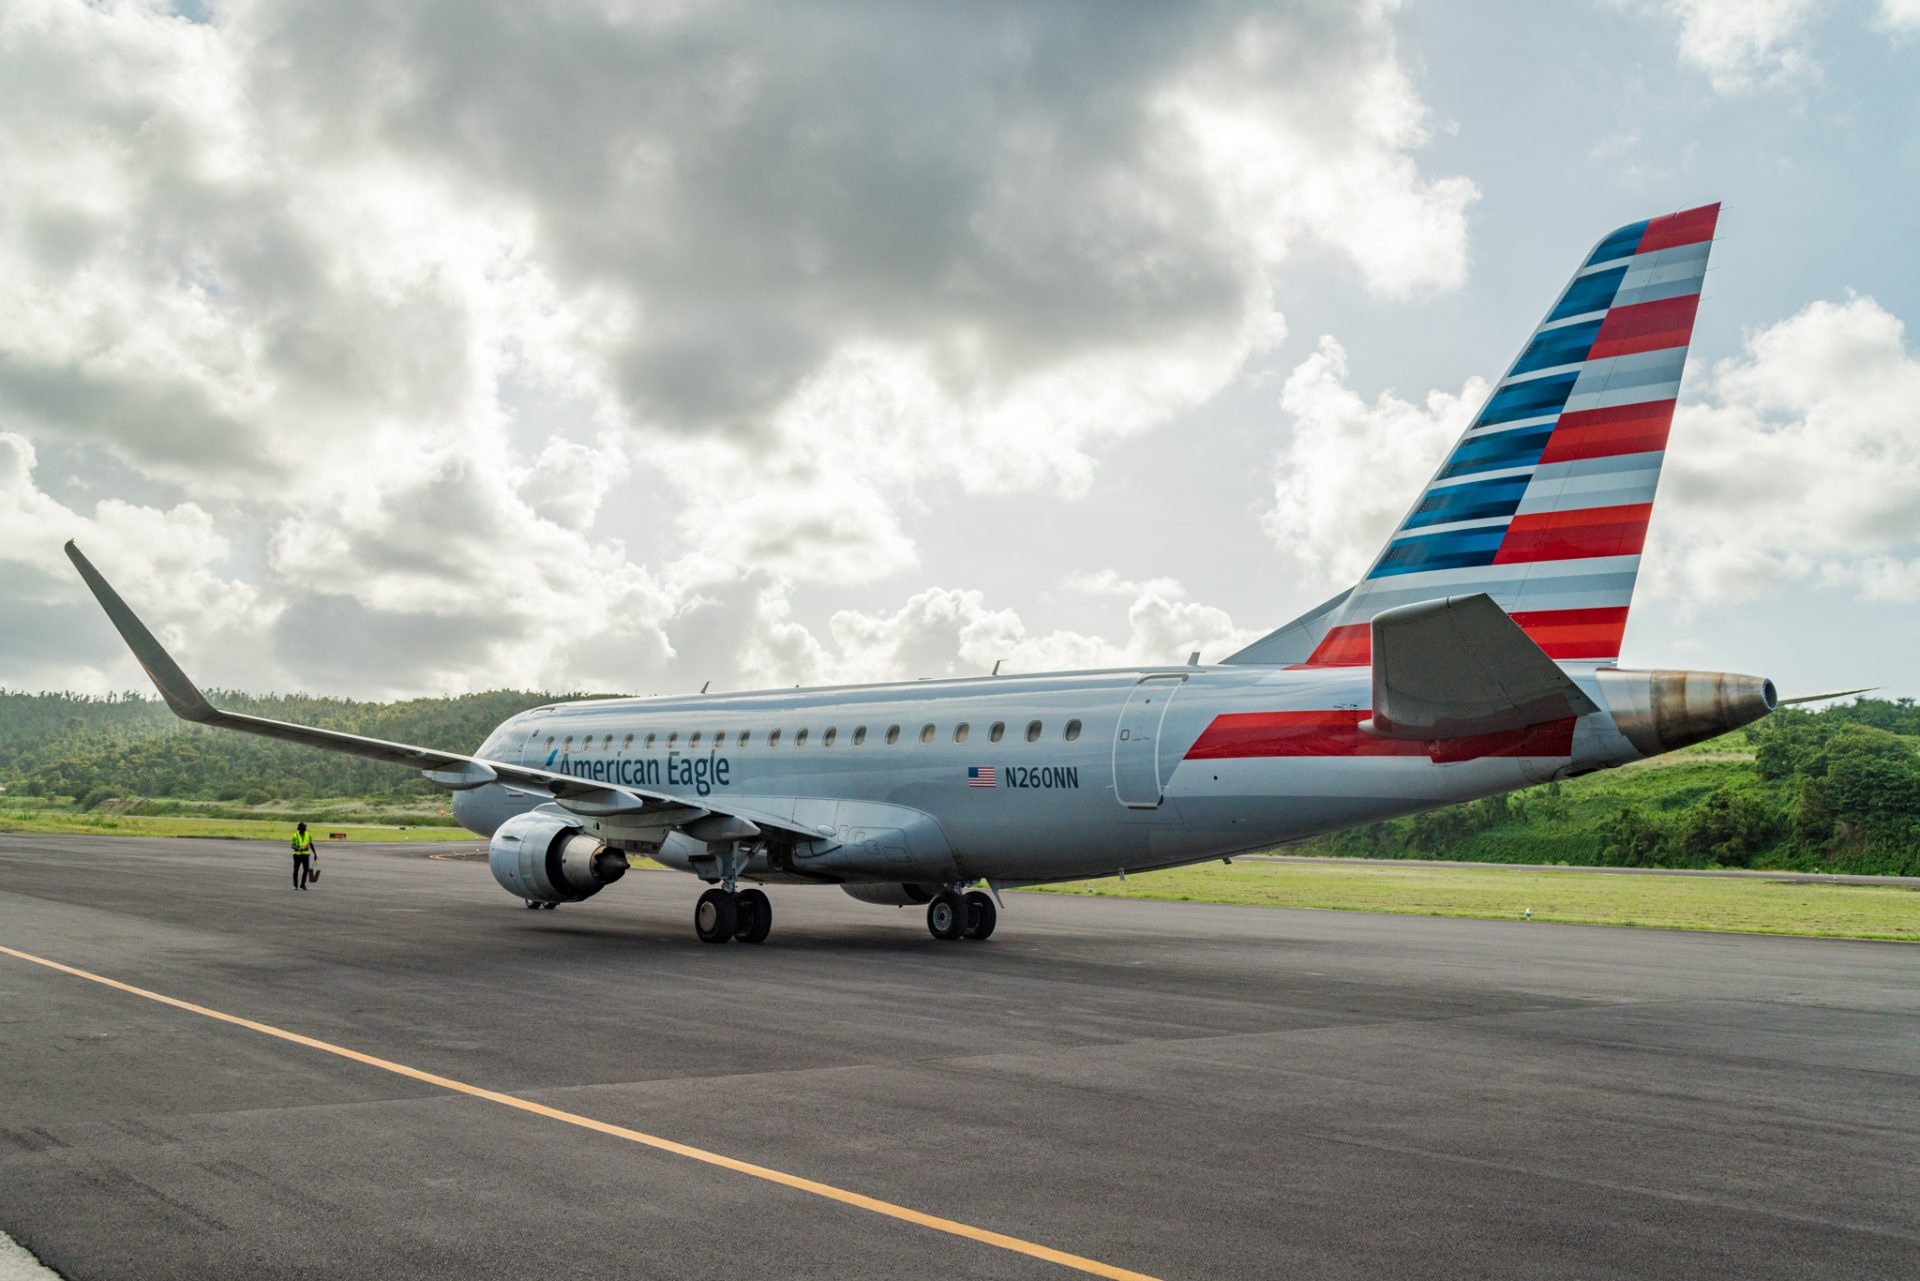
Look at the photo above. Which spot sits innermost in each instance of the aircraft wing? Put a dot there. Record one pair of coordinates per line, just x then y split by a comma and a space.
1459, 666
703, 818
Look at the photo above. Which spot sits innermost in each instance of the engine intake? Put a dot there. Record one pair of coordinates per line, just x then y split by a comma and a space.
546, 858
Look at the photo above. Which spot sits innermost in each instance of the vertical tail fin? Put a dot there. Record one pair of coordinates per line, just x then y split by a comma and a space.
1544, 501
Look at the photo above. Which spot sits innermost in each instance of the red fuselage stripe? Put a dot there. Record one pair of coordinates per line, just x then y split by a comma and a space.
1337, 733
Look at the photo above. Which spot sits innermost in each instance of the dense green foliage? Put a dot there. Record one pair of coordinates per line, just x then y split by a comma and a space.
93, 749
1836, 790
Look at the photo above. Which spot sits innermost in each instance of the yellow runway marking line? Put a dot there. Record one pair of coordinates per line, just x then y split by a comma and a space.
905, 1214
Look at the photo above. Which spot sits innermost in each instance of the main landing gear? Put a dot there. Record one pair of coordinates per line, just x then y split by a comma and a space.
953, 915
722, 914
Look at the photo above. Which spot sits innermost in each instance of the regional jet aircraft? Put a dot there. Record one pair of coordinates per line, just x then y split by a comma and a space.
1478, 655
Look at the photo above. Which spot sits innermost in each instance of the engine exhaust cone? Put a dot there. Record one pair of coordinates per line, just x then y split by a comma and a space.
1663, 710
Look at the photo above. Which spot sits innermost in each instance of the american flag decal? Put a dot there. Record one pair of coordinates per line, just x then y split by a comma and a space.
982, 776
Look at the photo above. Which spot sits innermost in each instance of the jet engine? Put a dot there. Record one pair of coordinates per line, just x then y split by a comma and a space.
546, 858
893, 895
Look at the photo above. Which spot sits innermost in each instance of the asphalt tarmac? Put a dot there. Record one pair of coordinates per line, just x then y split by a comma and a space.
1184, 1091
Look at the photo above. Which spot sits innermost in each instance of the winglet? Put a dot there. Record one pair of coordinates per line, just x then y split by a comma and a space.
181, 694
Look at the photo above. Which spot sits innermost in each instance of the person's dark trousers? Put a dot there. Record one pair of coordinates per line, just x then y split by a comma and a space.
301, 864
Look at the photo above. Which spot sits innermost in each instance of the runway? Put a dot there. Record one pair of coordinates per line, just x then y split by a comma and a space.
1176, 1090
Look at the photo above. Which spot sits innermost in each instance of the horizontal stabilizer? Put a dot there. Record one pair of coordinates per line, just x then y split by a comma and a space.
1459, 666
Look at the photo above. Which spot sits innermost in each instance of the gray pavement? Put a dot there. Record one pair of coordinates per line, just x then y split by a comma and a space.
1185, 1090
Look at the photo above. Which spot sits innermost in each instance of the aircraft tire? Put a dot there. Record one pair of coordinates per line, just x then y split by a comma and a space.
716, 916
532, 906
982, 915
756, 917
947, 916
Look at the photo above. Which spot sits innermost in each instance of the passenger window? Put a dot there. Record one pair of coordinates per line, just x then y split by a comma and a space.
1073, 730
549, 740
960, 732
926, 733
626, 744
773, 738
745, 734
799, 738
568, 745
1033, 732
893, 735
826, 739
998, 732
648, 744
694, 741
675, 737
859, 735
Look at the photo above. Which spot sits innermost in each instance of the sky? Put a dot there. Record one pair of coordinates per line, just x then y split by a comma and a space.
389, 350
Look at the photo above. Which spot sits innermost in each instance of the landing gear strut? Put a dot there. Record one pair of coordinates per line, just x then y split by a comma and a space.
724, 912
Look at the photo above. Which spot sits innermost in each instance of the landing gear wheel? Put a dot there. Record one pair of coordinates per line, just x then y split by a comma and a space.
716, 916
756, 917
549, 906
982, 915
532, 906
947, 916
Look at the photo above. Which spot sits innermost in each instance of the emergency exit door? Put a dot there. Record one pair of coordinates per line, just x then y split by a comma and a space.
1136, 743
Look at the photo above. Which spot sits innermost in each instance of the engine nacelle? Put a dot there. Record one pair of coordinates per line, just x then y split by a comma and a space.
893, 895
546, 858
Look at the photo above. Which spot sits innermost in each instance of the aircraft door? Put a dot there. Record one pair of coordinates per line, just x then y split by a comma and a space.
1136, 742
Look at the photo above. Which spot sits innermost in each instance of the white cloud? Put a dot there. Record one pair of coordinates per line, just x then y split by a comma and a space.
1801, 462
1744, 45
1351, 469
801, 273
1900, 17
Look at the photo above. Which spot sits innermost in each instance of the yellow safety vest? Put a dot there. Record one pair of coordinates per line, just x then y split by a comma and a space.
303, 843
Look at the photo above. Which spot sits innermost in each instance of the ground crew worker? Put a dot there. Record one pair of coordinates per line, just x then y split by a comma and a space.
302, 858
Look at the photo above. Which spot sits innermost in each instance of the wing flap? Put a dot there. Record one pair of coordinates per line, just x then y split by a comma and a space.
1458, 667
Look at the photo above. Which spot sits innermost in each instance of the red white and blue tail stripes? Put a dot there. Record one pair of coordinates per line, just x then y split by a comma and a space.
1544, 501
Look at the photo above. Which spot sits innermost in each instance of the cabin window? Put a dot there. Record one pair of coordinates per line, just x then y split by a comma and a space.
773, 738
799, 738
893, 735
568, 745
745, 734
675, 737
997, 732
826, 739
1073, 730
926, 733
648, 743
859, 735
694, 741
960, 732
626, 744
1033, 731
549, 740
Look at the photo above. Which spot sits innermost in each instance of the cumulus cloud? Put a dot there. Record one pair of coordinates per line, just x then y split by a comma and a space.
954, 632
1799, 462
1351, 468
1744, 45
1900, 17
802, 273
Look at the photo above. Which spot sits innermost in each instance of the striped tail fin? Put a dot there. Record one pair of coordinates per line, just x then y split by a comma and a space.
1543, 503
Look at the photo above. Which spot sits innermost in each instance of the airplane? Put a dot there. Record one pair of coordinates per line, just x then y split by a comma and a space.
1478, 655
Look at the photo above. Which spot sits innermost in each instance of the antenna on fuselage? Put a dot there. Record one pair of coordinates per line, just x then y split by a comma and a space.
1193, 659
996, 666
703, 688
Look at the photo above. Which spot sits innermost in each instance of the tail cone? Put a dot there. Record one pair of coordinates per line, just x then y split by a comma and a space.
1661, 711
